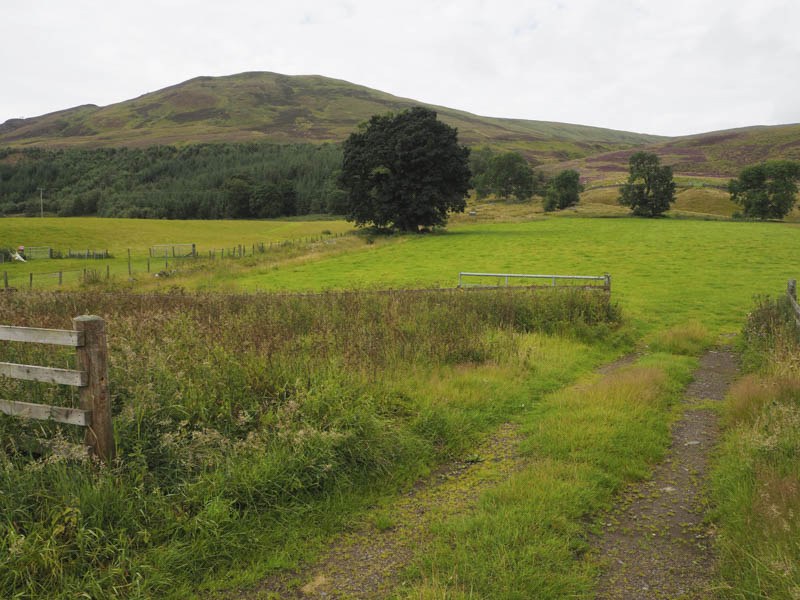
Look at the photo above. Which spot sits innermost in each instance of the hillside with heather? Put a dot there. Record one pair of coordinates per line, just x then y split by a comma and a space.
262, 106
718, 154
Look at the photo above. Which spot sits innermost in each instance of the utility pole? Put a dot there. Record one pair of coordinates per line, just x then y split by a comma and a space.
41, 202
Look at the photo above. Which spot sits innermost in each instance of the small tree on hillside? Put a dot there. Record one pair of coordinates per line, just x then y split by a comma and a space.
564, 191
766, 190
405, 170
650, 189
509, 174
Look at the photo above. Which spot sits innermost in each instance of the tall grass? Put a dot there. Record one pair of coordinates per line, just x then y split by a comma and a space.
756, 481
242, 420
691, 339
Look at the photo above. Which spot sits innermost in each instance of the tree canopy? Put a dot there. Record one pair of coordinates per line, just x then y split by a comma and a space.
650, 188
507, 175
198, 181
767, 190
564, 190
404, 170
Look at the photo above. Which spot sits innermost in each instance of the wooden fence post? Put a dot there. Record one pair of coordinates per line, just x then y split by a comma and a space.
607, 282
31, 279
5, 279
791, 288
92, 357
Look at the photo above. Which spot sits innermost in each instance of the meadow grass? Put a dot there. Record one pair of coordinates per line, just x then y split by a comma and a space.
756, 478
263, 422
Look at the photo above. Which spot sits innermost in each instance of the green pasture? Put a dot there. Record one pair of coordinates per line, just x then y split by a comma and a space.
663, 271
119, 235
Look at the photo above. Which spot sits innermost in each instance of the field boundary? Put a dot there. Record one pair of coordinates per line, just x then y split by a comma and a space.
606, 279
791, 293
337, 293
91, 378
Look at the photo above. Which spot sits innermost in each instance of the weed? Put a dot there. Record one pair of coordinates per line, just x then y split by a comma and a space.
243, 420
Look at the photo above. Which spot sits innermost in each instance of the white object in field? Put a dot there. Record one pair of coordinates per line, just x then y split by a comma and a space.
16, 256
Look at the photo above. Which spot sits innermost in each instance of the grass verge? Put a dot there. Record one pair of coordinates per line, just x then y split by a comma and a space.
263, 422
756, 479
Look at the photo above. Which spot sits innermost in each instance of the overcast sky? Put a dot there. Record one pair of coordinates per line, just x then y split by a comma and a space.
670, 68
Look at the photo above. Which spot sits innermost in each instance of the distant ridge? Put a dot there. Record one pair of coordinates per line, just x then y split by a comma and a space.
279, 108
713, 154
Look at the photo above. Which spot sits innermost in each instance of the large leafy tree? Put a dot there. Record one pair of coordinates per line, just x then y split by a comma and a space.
564, 190
404, 170
650, 188
766, 190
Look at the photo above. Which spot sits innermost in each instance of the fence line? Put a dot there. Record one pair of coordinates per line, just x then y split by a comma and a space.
91, 378
87, 273
791, 293
606, 279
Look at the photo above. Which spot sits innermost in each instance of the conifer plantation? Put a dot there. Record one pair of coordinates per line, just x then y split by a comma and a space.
198, 181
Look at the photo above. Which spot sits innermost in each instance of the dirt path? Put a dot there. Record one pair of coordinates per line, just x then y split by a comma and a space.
368, 562
656, 543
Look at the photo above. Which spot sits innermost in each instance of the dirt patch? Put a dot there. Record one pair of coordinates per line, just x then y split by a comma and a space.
657, 543
368, 562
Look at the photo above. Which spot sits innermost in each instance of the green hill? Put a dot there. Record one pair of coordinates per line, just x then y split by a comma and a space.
263, 106
718, 154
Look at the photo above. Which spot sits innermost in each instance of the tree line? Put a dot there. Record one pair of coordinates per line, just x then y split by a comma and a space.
766, 190
198, 181
400, 170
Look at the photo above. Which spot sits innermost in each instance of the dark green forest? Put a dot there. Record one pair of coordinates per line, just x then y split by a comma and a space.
200, 181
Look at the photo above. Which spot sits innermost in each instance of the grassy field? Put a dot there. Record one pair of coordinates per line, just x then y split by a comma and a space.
119, 235
276, 421
664, 271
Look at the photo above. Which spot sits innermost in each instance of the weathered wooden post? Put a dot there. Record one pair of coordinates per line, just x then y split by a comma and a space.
5, 279
108, 272
60, 277
92, 357
607, 283
148, 265
31, 279
791, 288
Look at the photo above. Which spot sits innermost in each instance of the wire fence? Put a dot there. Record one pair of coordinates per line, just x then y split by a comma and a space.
133, 265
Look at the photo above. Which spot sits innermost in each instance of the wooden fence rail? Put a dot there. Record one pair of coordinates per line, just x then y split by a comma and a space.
90, 377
